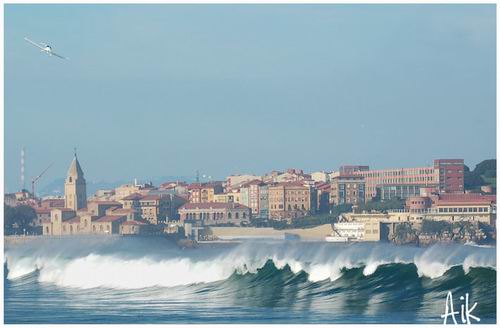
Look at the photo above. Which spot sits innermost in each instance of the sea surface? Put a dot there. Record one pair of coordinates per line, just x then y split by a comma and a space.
151, 280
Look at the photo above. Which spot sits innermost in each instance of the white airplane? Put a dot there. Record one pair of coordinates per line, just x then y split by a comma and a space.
45, 48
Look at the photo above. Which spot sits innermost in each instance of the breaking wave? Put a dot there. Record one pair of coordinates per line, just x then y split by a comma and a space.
151, 280
71, 264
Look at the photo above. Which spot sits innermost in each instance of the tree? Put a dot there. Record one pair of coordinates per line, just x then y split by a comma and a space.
9, 217
486, 165
383, 205
19, 219
472, 180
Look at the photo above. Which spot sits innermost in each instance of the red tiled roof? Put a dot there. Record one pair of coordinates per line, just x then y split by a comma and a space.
456, 199
105, 202
173, 184
134, 196
345, 175
289, 184
193, 206
110, 218
51, 203
324, 186
75, 219
64, 209
194, 186
136, 222
251, 182
151, 197
198, 185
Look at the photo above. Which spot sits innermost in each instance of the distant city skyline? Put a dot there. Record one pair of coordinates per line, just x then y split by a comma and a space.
165, 90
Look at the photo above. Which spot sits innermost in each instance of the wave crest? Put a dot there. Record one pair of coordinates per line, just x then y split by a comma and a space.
112, 269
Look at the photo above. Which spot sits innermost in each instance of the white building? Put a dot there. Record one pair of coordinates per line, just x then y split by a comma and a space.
320, 176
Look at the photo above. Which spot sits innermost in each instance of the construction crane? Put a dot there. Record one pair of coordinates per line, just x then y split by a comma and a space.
34, 180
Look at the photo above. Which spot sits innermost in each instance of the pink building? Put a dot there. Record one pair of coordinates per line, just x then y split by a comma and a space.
445, 176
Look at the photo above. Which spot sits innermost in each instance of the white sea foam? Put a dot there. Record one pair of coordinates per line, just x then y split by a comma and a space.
71, 267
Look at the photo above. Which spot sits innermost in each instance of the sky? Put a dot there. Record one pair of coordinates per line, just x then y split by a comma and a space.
163, 90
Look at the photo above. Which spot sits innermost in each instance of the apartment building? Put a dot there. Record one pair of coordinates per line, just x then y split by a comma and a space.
290, 200
347, 189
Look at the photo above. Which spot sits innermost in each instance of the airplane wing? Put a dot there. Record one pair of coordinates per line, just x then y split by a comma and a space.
34, 43
59, 56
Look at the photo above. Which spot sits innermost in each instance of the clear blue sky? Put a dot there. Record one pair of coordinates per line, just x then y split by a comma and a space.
167, 89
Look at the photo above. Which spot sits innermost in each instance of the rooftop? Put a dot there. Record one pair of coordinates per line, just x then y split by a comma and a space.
110, 218
135, 222
134, 196
194, 206
456, 199
75, 219
106, 202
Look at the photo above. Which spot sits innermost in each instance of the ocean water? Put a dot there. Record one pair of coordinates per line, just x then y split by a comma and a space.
151, 280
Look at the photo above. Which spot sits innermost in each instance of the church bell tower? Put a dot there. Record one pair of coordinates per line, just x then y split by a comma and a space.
75, 188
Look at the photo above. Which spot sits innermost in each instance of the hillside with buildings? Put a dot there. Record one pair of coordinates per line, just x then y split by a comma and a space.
356, 203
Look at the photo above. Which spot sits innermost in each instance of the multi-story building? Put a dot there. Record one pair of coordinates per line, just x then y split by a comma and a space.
235, 195
223, 198
263, 201
397, 183
250, 192
159, 208
132, 188
450, 174
215, 213
204, 192
291, 175
126, 190
108, 224
350, 169
290, 200
320, 176
323, 196
445, 176
178, 188
235, 181
347, 189
131, 201
103, 194
52, 202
